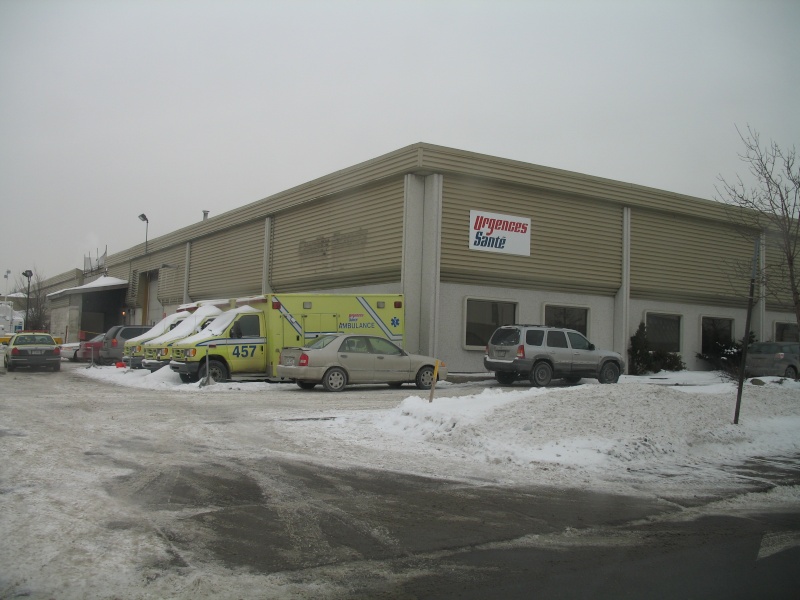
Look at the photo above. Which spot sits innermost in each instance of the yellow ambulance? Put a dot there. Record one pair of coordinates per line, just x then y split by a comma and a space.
158, 351
245, 343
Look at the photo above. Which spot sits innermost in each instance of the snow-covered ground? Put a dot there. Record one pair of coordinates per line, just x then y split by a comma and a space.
618, 437
62, 534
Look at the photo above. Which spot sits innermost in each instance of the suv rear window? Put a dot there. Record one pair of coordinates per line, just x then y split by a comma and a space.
534, 337
505, 337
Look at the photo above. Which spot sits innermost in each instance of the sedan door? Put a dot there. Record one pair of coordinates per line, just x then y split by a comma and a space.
391, 363
355, 356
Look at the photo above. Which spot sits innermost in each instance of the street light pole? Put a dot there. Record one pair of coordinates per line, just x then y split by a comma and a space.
28, 274
8, 272
143, 217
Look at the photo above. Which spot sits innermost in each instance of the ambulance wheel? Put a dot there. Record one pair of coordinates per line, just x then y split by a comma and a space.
334, 379
424, 378
216, 369
306, 385
186, 378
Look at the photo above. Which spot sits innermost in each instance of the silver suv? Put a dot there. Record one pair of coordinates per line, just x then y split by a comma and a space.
781, 359
543, 353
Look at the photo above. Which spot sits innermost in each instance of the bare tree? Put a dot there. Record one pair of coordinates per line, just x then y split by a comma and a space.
771, 205
38, 316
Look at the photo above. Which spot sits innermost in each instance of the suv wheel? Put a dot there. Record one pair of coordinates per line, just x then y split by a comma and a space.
609, 373
505, 377
791, 372
541, 374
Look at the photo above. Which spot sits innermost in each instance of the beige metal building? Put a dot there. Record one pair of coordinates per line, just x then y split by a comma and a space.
472, 241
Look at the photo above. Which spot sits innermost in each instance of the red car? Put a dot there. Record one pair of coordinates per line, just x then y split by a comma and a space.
90, 349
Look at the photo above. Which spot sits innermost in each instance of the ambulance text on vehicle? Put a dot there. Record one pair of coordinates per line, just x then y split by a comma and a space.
245, 342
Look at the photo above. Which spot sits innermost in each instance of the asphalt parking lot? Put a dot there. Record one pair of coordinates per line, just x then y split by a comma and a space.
203, 514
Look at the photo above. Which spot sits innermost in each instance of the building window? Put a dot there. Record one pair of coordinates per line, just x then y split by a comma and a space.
664, 332
569, 317
483, 317
786, 332
716, 333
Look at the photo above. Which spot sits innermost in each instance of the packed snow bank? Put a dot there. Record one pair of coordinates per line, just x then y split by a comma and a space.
643, 428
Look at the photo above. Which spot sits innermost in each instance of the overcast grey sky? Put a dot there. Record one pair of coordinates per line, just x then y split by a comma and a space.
111, 108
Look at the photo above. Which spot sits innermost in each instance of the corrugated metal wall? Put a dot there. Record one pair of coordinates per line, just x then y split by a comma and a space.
229, 263
686, 259
576, 245
779, 296
345, 240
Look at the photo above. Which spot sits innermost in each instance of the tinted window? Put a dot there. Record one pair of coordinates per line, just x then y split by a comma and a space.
577, 341
505, 337
534, 337
664, 332
483, 317
556, 339
130, 332
322, 342
355, 344
786, 332
717, 334
381, 346
568, 317
247, 326
763, 348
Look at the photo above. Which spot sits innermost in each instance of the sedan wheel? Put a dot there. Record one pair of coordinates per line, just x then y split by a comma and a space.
335, 379
306, 385
424, 378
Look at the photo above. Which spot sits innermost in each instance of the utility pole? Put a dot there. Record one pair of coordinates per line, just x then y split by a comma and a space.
28, 274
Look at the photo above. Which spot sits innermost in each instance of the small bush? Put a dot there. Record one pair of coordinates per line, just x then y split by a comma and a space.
726, 357
644, 360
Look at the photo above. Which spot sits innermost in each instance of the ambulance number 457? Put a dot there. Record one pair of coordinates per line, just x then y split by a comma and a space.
244, 351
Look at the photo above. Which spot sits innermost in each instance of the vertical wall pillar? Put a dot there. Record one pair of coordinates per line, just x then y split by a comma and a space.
186, 298
266, 288
622, 302
422, 226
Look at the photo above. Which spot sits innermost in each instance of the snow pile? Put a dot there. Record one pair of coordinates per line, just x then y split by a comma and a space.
589, 434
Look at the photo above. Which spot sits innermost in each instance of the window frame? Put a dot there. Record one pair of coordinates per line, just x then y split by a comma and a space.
665, 314
702, 329
775, 330
571, 306
465, 321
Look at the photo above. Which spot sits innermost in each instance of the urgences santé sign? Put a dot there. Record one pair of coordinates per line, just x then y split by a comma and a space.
493, 232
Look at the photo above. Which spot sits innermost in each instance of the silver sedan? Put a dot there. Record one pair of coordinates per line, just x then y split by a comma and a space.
338, 360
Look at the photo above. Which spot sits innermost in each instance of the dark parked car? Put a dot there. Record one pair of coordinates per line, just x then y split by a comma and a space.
114, 341
32, 349
781, 359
